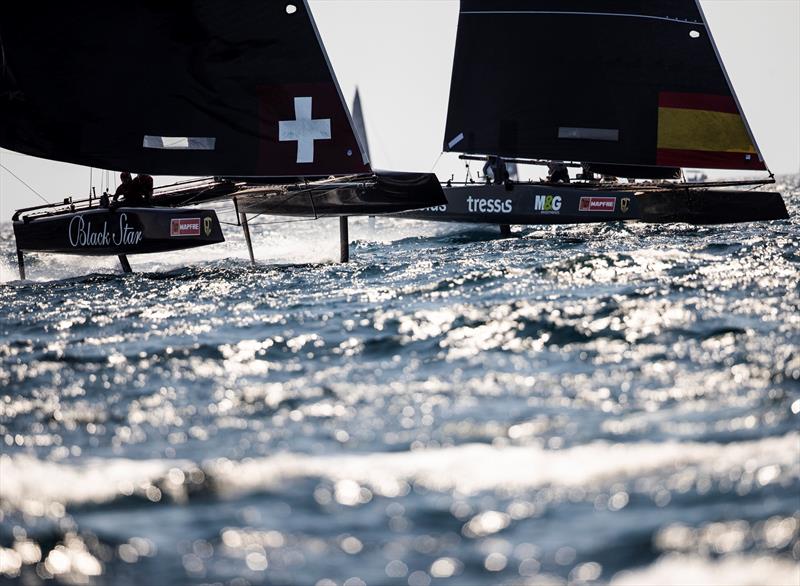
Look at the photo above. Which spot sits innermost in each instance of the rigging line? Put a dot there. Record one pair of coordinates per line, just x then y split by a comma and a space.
313, 207
569, 13
283, 222
198, 194
272, 207
187, 201
437, 161
15, 176
288, 197
269, 223
275, 205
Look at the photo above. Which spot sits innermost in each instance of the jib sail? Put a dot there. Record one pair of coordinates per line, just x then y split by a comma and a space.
185, 87
625, 82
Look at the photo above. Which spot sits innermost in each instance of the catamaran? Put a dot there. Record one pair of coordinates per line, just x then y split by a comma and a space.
625, 90
244, 92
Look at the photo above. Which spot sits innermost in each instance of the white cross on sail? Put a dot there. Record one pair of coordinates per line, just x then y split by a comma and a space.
304, 130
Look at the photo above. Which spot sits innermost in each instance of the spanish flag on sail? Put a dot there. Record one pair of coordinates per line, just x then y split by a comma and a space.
703, 130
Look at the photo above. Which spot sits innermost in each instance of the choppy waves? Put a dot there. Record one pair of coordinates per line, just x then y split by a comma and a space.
586, 404
32, 485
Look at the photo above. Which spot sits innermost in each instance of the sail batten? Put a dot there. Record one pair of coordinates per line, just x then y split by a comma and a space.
619, 82
574, 13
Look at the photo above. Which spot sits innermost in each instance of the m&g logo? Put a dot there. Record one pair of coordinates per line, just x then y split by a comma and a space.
547, 204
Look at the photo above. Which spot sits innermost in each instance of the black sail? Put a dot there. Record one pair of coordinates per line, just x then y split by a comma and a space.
179, 87
622, 82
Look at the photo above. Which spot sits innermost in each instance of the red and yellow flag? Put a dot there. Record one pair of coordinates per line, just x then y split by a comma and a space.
703, 130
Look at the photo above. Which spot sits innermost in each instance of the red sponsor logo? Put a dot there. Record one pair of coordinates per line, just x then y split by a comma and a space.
184, 227
597, 204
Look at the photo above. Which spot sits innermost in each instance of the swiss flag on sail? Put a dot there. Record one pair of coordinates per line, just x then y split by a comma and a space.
305, 130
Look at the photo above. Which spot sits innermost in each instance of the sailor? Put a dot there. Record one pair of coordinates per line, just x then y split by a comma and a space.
144, 185
557, 172
125, 189
135, 192
496, 168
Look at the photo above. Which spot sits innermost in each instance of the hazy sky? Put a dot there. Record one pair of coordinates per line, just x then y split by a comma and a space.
399, 53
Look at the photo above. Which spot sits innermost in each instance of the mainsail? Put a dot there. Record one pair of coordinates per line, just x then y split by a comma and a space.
184, 87
619, 82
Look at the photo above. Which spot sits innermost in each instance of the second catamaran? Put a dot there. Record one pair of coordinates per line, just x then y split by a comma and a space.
623, 89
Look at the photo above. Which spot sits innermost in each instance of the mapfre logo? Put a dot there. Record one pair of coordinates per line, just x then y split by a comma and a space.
597, 204
547, 204
184, 227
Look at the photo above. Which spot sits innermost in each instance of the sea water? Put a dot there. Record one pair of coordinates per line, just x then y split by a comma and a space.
576, 404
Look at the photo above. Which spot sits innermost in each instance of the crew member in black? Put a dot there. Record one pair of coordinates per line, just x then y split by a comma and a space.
144, 184
498, 169
135, 192
126, 190
557, 172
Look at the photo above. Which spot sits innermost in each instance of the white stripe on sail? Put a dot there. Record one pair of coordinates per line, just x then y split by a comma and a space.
611, 134
456, 140
191, 143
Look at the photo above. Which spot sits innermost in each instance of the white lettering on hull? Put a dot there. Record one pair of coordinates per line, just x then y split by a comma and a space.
441, 208
489, 206
82, 234
547, 204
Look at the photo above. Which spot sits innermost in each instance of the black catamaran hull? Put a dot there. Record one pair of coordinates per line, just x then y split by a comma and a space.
544, 204
123, 231
381, 193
